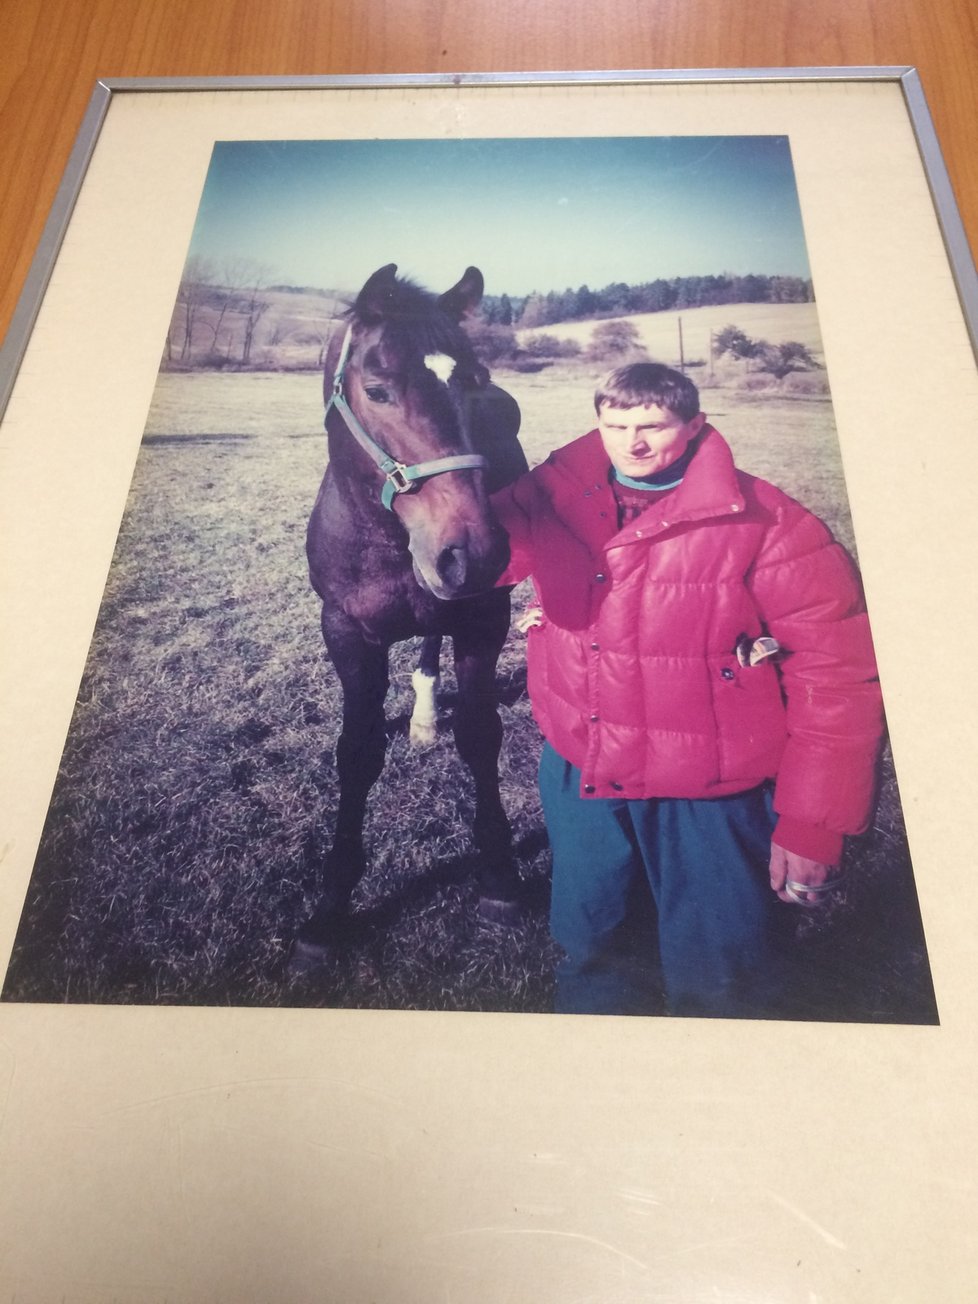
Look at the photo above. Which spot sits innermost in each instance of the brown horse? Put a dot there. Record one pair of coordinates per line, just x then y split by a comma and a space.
401, 542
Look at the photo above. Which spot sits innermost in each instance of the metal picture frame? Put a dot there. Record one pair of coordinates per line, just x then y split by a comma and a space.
417, 1156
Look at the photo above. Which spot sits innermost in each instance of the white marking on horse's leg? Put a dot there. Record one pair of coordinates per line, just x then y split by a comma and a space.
424, 717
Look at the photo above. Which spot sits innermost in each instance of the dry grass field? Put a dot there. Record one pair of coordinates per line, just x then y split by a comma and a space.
659, 331
196, 789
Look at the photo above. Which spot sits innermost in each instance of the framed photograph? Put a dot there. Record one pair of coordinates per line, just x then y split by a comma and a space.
219, 970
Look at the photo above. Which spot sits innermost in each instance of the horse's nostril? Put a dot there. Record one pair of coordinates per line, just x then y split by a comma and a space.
452, 565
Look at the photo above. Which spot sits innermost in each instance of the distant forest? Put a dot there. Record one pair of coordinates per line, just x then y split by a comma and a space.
619, 299
233, 314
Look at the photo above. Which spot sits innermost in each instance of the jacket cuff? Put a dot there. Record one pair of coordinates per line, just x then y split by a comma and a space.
808, 840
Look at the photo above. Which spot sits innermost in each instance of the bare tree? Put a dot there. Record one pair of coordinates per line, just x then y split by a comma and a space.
316, 333
198, 273
255, 278
230, 279
237, 286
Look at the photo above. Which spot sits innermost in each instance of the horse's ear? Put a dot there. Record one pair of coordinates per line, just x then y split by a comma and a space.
373, 301
464, 297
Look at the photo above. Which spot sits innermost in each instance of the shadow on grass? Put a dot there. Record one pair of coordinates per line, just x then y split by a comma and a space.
867, 961
183, 440
419, 942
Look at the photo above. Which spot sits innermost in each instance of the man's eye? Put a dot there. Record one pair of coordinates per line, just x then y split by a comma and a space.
377, 394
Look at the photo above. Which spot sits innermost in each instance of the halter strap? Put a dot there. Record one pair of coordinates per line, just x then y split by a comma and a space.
400, 479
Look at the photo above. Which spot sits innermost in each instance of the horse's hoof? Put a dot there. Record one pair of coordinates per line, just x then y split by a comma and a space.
307, 958
494, 910
423, 735
317, 941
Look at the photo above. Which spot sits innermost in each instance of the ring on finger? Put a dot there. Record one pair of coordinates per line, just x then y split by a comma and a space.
793, 891
831, 885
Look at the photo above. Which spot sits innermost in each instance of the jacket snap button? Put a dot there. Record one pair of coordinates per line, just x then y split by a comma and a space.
727, 673
600, 577
618, 787
595, 647
589, 787
593, 719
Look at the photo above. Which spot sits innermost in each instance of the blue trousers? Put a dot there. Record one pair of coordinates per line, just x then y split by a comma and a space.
663, 905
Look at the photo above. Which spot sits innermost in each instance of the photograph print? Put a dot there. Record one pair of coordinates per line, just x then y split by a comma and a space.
484, 630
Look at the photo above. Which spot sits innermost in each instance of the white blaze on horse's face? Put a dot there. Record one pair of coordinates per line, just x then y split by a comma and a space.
442, 364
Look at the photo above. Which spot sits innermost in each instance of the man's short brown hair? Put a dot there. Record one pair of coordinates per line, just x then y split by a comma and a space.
640, 383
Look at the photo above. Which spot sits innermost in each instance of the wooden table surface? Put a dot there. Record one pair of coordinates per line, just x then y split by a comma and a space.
54, 50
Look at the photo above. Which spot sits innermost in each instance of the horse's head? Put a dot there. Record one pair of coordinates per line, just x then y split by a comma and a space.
406, 373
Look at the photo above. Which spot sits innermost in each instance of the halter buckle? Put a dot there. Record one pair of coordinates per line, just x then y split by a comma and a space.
398, 479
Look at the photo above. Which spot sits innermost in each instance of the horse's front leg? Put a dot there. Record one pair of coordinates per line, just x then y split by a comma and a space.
424, 681
478, 737
363, 674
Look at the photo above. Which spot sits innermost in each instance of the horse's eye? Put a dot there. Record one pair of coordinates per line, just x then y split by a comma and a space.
377, 394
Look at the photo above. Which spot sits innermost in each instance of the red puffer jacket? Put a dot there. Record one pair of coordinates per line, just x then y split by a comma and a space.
633, 674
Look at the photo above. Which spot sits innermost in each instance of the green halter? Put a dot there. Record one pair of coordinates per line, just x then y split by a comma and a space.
400, 479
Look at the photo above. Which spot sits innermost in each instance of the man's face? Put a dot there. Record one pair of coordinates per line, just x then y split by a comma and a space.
642, 440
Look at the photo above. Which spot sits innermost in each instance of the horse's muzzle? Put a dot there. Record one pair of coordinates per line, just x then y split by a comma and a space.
452, 567
460, 570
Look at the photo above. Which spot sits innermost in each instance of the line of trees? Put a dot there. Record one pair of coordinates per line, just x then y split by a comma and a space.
661, 295
217, 312
220, 306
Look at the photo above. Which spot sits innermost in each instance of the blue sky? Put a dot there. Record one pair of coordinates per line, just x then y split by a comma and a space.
533, 214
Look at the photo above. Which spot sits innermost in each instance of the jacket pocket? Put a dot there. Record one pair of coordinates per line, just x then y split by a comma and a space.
750, 717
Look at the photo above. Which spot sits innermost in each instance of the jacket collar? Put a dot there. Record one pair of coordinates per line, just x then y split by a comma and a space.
709, 488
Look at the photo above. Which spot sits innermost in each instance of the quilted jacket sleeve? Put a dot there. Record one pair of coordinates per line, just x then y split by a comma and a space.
809, 595
515, 508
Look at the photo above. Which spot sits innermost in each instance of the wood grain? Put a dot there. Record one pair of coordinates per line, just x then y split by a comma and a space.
54, 51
